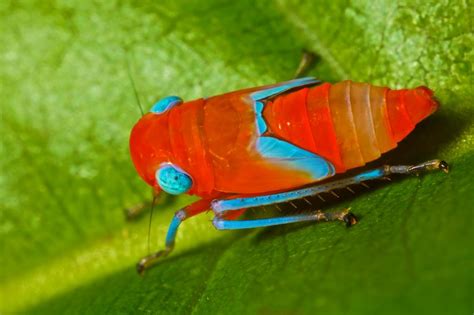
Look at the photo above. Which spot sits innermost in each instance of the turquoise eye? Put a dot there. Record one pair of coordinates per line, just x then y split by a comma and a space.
172, 180
165, 104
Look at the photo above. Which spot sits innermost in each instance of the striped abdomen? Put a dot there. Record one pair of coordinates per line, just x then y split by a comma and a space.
348, 123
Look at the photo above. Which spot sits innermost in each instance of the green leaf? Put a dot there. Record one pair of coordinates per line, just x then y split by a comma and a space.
66, 175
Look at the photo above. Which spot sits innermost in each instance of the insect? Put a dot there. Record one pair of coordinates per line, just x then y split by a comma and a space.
272, 144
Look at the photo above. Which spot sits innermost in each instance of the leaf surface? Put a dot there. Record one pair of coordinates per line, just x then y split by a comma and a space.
66, 175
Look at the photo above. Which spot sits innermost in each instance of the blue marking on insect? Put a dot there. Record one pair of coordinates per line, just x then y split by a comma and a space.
282, 152
173, 180
273, 91
279, 152
376, 173
165, 104
261, 124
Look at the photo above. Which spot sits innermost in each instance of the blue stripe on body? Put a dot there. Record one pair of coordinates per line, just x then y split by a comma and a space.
293, 157
275, 90
261, 124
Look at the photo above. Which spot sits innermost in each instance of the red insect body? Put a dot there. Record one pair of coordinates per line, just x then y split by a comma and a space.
348, 123
213, 140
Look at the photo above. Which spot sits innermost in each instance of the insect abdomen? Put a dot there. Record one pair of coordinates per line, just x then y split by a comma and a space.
348, 123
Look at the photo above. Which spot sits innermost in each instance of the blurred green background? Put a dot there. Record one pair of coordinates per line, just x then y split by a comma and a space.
67, 107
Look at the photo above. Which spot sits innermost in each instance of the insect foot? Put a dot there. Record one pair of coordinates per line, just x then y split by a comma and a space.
350, 219
344, 215
347, 217
417, 169
429, 166
148, 261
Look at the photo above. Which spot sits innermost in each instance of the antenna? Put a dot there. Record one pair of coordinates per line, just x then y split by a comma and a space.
129, 71
153, 202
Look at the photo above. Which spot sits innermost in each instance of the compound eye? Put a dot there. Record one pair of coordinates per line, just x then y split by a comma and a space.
165, 104
173, 180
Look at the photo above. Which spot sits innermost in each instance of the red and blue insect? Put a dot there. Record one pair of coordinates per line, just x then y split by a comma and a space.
272, 144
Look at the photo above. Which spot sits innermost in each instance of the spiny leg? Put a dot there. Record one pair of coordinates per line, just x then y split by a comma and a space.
222, 205
181, 215
344, 216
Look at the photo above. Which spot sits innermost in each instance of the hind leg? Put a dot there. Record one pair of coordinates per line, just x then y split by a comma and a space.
223, 205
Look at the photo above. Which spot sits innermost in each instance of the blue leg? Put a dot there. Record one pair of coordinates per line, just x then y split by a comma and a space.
220, 206
147, 261
183, 214
173, 228
344, 215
